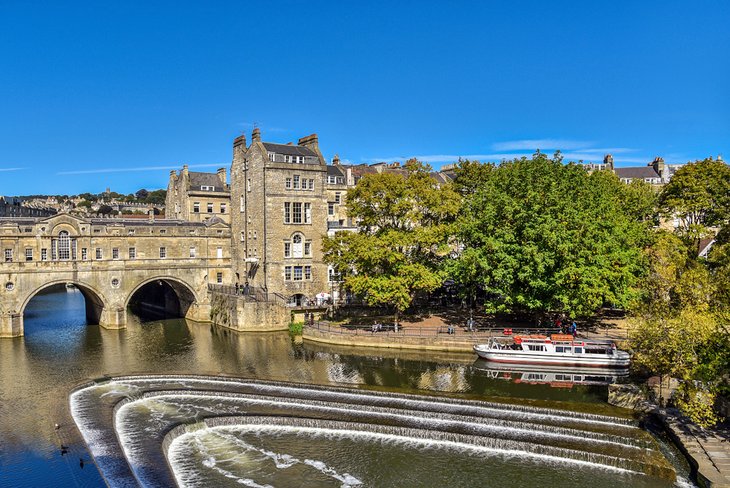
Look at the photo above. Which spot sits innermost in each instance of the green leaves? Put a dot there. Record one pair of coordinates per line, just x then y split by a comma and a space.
405, 221
544, 236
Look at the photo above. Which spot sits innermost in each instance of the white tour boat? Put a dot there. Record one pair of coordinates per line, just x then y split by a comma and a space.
556, 350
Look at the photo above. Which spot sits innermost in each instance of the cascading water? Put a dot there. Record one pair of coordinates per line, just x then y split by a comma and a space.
277, 431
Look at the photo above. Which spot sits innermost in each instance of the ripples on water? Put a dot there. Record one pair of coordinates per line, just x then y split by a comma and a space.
60, 351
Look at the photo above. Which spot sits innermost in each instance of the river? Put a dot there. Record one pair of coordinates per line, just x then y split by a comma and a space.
60, 351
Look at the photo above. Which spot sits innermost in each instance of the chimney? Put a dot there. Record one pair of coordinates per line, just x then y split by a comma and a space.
658, 165
310, 141
336, 160
239, 141
256, 135
185, 170
222, 176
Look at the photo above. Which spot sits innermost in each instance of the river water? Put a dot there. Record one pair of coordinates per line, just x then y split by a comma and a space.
60, 351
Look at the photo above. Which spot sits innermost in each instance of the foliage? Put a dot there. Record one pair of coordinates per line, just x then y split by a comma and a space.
539, 235
156, 197
405, 221
296, 328
699, 196
141, 194
677, 331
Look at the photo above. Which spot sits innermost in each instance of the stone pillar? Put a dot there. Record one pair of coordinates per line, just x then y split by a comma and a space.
11, 324
113, 318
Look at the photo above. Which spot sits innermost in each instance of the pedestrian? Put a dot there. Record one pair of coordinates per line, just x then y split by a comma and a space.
245, 289
574, 329
237, 288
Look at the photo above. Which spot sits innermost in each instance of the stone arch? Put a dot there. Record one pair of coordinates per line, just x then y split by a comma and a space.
94, 299
184, 292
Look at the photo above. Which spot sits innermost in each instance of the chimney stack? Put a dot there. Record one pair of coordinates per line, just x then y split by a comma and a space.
222, 176
185, 170
256, 135
608, 161
310, 141
239, 141
336, 160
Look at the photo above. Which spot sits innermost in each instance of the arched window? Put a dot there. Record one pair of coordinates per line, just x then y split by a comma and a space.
297, 249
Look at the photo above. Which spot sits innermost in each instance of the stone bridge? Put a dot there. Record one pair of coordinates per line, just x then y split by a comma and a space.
115, 263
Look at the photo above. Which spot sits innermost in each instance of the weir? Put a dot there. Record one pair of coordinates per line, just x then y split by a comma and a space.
126, 420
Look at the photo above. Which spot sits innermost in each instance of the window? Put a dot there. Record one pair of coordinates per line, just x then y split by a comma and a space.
307, 248
287, 184
297, 212
287, 249
242, 204
298, 273
299, 159
163, 231
330, 209
223, 208
307, 272
297, 246
44, 254
331, 180
288, 159
243, 237
272, 156
311, 184
99, 254
287, 212
64, 246
163, 252
337, 198
330, 274
115, 253
307, 213
219, 253
132, 253
28, 254
296, 182
219, 277
255, 235
287, 273
248, 184
209, 207
207, 188
196, 207
192, 252
130, 232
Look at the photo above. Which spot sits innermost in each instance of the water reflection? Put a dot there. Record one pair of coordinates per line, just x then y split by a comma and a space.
556, 377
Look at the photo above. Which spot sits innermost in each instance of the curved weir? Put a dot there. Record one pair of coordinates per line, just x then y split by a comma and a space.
134, 424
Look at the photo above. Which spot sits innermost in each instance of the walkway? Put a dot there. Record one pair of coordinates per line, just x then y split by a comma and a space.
710, 448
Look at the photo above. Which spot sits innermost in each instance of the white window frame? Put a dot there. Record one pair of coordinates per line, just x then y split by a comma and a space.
163, 252
132, 251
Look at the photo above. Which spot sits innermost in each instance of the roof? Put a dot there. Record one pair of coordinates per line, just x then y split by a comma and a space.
333, 170
205, 179
289, 149
637, 172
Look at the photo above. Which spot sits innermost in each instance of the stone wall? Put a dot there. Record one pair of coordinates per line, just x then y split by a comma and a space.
242, 314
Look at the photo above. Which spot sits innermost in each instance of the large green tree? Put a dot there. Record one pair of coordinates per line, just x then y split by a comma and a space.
698, 196
541, 236
404, 224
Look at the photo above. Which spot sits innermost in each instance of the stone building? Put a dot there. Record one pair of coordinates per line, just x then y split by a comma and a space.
280, 216
656, 173
19, 207
195, 197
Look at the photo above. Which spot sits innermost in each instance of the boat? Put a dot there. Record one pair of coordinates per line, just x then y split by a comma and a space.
554, 350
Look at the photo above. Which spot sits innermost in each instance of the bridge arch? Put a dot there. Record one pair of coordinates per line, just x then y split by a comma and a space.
164, 296
94, 299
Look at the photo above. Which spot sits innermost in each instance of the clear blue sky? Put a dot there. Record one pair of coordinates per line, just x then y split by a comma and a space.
122, 88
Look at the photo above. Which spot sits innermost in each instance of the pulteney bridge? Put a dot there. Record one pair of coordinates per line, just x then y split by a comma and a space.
115, 263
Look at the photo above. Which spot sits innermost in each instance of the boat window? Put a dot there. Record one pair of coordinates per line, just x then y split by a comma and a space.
563, 349
578, 350
532, 347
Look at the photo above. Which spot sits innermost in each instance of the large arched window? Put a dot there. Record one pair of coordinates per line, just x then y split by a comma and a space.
64, 246
297, 250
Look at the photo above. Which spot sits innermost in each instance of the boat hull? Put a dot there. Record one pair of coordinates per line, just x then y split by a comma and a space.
554, 359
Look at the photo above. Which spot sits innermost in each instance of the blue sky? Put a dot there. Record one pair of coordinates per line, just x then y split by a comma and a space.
115, 94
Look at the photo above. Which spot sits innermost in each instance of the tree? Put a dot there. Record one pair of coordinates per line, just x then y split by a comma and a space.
404, 220
675, 331
141, 194
156, 197
542, 236
698, 195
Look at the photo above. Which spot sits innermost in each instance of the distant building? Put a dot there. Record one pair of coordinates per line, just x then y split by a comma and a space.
196, 197
19, 207
656, 173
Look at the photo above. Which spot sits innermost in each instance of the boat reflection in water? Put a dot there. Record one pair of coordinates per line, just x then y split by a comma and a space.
555, 376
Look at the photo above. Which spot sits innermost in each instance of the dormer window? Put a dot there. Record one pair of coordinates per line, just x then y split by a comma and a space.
207, 188
272, 156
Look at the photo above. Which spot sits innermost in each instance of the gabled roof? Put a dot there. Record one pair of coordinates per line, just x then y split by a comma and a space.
205, 179
289, 149
637, 172
333, 170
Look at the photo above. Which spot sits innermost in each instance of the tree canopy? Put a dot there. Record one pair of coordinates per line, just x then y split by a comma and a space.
541, 236
404, 220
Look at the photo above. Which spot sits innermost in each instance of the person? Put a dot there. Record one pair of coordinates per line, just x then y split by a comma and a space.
470, 324
451, 329
574, 329
245, 288
236, 288
374, 328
